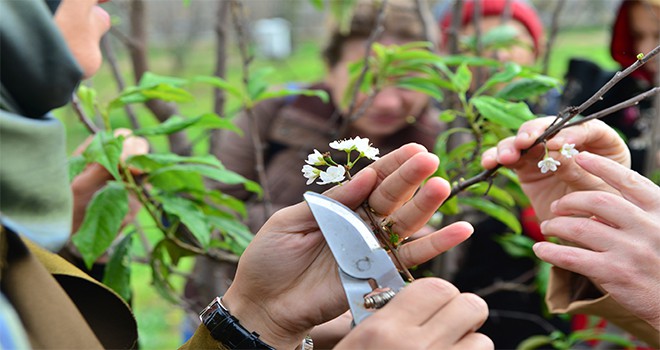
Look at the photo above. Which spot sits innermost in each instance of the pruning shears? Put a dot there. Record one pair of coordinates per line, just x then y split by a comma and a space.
359, 256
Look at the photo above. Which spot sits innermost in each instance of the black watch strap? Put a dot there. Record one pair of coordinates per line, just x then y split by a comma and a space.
225, 328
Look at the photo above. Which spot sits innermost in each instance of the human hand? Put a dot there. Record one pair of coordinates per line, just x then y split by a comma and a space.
430, 313
95, 176
287, 279
618, 236
542, 189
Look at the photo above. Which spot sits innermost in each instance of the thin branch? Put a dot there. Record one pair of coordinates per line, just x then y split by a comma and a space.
515, 285
220, 71
454, 29
130, 43
109, 55
564, 117
422, 9
375, 34
533, 318
479, 45
625, 104
82, 116
238, 17
554, 28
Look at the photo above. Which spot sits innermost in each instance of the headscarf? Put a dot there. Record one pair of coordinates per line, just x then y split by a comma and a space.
37, 74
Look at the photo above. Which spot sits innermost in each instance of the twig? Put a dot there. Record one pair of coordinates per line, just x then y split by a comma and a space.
125, 39
564, 117
478, 43
454, 29
375, 34
219, 95
239, 22
82, 116
109, 55
536, 319
553, 36
627, 103
516, 285
422, 10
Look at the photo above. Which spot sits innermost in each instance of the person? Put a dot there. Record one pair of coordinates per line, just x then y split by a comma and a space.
292, 128
635, 30
524, 20
608, 266
506, 282
48, 303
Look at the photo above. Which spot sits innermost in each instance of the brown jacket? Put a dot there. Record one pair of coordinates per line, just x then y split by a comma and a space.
60, 307
574, 294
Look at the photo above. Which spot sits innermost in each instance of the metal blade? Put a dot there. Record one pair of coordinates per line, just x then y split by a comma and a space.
352, 243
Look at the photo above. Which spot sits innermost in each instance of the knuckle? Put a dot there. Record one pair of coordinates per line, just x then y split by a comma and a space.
438, 286
475, 304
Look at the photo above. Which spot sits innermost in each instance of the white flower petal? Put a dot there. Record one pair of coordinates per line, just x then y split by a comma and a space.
568, 150
548, 164
343, 145
332, 174
315, 158
311, 173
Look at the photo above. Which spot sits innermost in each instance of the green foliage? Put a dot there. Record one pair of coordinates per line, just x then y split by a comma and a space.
560, 341
102, 222
118, 270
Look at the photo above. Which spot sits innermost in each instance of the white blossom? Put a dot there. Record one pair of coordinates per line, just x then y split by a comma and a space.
315, 158
311, 173
343, 145
548, 163
332, 174
364, 147
568, 150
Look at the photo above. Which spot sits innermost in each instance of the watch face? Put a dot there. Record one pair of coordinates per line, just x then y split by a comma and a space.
206, 314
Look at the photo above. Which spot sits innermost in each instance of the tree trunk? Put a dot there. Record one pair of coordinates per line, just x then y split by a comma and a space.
219, 95
138, 50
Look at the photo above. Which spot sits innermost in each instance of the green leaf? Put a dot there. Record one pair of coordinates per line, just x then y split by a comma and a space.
150, 79
342, 11
221, 175
590, 334
118, 270
498, 194
511, 70
422, 85
258, 83
500, 213
105, 149
170, 126
508, 114
177, 180
214, 121
462, 78
534, 342
294, 92
190, 215
503, 36
220, 84
152, 161
160, 273
542, 276
235, 230
102, 222
228, 201
525, 88
518, 246
87, 98
76, 166
318, 4
168, 93
447, 116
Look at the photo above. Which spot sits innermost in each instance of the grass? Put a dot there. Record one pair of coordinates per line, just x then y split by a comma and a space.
159, 322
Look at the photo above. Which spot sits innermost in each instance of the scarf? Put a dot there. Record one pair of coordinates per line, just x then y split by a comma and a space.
37, 74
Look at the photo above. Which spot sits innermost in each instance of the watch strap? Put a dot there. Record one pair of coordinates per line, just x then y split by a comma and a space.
226, 328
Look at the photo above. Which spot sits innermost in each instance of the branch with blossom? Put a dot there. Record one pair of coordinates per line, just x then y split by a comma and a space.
335, 173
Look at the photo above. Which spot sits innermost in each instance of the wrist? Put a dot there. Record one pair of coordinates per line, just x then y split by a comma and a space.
256, 318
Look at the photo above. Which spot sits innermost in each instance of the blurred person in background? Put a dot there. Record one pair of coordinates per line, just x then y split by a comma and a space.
636, 29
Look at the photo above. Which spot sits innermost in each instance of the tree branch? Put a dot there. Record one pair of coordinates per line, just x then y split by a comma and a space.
564, 117
82, 116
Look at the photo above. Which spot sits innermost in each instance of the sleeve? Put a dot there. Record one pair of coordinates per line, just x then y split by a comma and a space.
202, 340
575, 294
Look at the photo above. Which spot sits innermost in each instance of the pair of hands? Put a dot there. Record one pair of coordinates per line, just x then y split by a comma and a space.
609, 213
287, 280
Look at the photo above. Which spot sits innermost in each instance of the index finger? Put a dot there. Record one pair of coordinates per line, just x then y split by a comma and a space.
634, 187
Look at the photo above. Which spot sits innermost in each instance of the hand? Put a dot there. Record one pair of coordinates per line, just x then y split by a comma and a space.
618, 236
428, 314
95, 176
542, 189
287, 280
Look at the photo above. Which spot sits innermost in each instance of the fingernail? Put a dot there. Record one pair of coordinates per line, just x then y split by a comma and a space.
543, 225
553, 205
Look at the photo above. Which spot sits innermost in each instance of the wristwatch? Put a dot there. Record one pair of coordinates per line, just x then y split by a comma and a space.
225, 328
